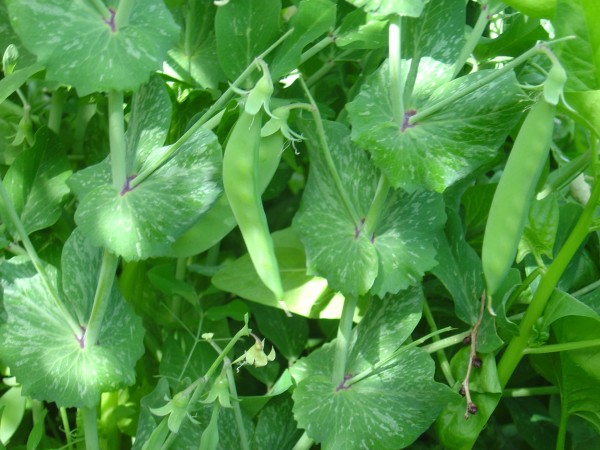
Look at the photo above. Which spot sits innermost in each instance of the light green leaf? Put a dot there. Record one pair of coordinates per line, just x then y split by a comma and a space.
540, 231
444, 147
313, 19
105, 55
412, 8
36, 182
243, 31
392, 256
47, 359
12, 411
362, 31
387, 410
147, 219
561, 304
12, 82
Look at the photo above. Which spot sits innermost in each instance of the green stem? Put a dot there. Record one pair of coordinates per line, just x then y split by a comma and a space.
116, 130
328, 159
64, 418
180, 271
101, 8
102, 297
514, 352
395, 68
538, 48
450, 341
237, 411
441, 355
584, 290
304, 443
210, 113
376, 209
567, 346
562, 429
473, 39
530, 391
564, 175
35, 259
325, 68
123, 13
325, 42
342, 343
56, 109
90, 428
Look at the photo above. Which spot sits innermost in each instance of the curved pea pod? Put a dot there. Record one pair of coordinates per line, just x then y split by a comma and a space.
240, 181
219, 220
511, 202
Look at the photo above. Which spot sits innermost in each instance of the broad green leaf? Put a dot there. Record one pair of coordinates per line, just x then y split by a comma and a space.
444, 147
412, 8
561, 304
303, 294
535, 8
106, 55
9, 37
194, 59
12, 411
387, 410
528, 415
163, 278
360, 30
392, 256
276, 427
313, 19
288, 334
243, 31
579, 56
38, 345
147, 219
12, 82
36, 182
540, 231
586, 103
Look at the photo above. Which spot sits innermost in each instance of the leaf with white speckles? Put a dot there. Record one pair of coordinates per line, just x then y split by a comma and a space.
391, 257
81, 47
412, 8
387, 410
40, 348
145, 220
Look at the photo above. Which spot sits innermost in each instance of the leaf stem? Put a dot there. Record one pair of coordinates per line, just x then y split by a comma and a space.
237, 411
312, 51
304, 443
56, 109
64, 418
342, 343
123, 13
35, 259
530, 391
562, 429
210, 113
567, 346
441, 355
101, 298
116, 130
374, 214
395, 68
90, 428
101, 8
353, 214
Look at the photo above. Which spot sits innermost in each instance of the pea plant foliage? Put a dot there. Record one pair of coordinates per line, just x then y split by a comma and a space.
299, 224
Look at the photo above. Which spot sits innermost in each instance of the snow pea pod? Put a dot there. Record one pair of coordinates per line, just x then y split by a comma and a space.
240, 181
515, 191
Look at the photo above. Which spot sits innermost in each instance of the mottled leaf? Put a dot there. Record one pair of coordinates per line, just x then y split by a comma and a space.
411, 8
392, 256
93, 52
50, 362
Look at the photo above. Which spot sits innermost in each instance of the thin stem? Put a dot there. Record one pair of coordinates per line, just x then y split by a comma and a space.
35, 259
441, 355
325, 68
514, 352
564, 175
323, 43
450, 341
376, 209
56, 109
211, 112
304, 443
66, 426
584, 290
562, 429
180, 271
101, 298
101, 8
471, 407
237, 411
123, 13
328, 159
530, 391
116, 129
538, 48
395, 68
567, 346
342, 343
90, 428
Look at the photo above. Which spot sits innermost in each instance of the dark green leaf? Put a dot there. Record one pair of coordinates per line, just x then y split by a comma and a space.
276, 427
540, 231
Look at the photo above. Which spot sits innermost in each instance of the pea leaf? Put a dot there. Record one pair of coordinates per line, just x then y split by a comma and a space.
389, 409
399, 249
105, 55
362, 31
412, 8
444, 147
48, 360
540, 231
243, 31
36, 182
277, 415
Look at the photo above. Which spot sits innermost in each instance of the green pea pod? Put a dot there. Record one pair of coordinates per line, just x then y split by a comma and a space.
510, 205
240, 181
218, 221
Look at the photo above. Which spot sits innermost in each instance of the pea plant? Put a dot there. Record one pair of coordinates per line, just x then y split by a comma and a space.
299, 224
